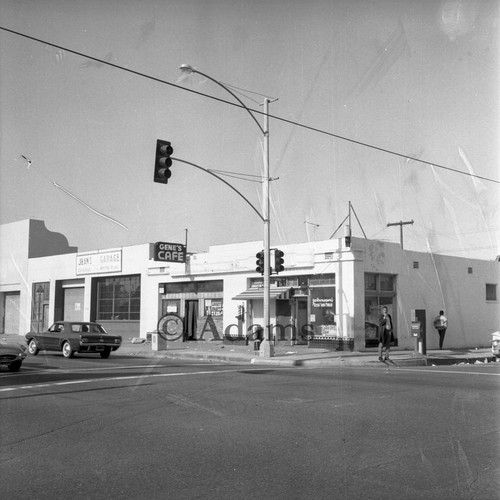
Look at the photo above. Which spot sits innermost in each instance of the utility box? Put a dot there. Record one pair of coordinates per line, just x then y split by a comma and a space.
158, 342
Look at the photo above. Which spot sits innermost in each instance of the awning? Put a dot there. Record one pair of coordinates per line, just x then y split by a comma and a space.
254, 293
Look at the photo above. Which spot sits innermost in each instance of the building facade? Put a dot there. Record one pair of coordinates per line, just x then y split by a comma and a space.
330, 293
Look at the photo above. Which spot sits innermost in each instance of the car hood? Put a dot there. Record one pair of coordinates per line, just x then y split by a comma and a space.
11, 346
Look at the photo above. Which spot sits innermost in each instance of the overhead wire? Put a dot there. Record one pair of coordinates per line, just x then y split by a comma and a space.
225, 101
238, 175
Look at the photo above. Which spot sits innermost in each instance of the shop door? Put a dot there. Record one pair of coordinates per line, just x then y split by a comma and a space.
301, 322
11, 318
45, 317
190, 319
285, 329
373, 309
73, 304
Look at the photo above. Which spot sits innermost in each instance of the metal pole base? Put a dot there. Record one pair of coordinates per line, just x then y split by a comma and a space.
421, 347
266, 349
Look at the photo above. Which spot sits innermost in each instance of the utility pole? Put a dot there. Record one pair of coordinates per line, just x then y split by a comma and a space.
400, 224
267, 345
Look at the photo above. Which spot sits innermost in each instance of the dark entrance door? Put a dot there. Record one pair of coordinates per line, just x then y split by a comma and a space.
190, 319
301, 321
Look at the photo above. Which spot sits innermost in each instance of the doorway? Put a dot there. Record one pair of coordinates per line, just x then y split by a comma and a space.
73, 303
10, 309
301, 322
190, 319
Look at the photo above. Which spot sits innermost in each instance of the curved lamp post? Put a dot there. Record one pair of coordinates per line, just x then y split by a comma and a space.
267, 346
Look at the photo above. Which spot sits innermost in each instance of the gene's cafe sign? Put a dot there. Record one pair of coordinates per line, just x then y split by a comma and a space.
169, 252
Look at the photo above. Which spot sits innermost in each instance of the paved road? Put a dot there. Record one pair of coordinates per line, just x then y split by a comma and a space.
159, 428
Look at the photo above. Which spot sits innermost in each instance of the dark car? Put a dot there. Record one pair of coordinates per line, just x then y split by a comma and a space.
12, 354
73, 336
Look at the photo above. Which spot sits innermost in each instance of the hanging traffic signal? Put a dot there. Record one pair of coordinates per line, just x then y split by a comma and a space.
241, 312
278, 261
163, 162
260, 262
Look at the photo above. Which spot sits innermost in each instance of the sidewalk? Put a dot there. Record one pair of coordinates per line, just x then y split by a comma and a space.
301, 355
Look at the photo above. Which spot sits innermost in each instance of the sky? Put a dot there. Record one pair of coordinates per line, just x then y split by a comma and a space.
364, 90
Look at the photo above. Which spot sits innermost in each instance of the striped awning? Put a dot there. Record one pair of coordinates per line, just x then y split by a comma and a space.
254, 293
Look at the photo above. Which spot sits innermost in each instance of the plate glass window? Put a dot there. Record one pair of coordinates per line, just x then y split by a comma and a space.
119, 298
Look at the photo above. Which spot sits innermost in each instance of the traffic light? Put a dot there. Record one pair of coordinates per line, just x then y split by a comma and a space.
163, 162
260, 262
278, 260
241, 312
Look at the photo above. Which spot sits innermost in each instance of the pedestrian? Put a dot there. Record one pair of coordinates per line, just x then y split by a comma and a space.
441, 324
385, 329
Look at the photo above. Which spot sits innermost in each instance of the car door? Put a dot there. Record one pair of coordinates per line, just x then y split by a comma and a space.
50, 340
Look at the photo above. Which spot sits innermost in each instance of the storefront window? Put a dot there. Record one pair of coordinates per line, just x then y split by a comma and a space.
170, 306
303, 281
39, 306
323, 310
491, 291
213, 307
118, 298
370, 281
386, 283
195, 287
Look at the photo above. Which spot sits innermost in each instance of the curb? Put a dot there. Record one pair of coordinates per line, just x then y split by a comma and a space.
321, 361
283, 361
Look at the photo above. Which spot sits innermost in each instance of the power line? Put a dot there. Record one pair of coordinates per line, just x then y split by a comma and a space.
238, 175
237, 105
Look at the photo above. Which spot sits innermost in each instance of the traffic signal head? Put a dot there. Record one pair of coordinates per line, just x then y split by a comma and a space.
241, 312
279, 261
163, 162
259, 262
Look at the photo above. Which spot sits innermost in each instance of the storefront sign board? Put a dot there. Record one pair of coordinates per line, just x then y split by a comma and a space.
99, 262
169, 252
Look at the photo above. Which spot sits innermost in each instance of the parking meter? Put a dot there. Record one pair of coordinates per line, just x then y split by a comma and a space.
418, 330
415, 328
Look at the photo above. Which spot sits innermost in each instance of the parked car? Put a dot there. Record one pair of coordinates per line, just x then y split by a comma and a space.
12, 354
495, 344
73, 336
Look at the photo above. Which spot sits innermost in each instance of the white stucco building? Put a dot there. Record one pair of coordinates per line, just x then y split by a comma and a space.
329, 293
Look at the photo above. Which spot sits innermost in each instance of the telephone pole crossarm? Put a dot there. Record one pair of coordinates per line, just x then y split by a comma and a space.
400, 224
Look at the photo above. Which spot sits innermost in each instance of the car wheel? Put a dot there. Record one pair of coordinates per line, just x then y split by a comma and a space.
14, 367
66, 350
33, 348
105, 354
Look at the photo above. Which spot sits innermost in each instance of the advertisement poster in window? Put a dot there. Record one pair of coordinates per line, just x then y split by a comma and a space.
213, 307
323, 309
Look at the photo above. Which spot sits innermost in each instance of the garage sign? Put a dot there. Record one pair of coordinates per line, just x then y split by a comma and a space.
99, 262
169, 252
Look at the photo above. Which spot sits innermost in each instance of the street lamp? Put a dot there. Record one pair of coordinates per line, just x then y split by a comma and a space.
267, 346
